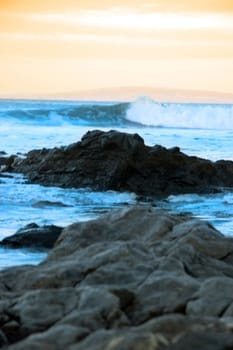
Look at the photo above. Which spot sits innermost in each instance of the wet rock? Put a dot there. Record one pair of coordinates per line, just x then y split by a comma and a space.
33, 236
137, 278
118, 161
3, 339
7, 162
44, 204
209, 302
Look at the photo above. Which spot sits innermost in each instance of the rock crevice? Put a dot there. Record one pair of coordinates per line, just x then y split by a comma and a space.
136, 278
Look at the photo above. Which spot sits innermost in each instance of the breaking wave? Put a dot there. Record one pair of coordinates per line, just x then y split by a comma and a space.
205, 116
62, 113
144, 111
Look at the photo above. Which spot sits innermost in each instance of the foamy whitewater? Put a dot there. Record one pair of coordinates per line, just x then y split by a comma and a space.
205, 130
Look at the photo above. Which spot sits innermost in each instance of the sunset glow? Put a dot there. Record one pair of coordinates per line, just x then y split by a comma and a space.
64, 47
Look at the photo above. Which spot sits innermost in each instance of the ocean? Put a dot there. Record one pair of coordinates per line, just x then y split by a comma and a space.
204, 130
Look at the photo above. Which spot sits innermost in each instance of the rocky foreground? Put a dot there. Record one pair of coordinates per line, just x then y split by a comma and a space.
119, 161
33, 236
137, 278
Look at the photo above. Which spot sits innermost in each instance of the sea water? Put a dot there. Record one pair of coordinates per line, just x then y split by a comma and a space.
204, 130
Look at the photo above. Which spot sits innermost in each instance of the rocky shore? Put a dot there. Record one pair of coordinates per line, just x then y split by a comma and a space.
122, 162
137, 278
33, 236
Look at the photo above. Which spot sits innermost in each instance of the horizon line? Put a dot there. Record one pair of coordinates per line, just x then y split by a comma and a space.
131, 93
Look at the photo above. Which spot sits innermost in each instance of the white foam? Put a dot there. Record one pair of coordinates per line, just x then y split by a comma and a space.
216, 208
148, 112
18, 198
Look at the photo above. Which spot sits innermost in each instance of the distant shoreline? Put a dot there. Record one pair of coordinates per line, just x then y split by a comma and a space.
130, 94
158, 94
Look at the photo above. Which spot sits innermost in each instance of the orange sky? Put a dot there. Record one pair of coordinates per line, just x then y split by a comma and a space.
52, 47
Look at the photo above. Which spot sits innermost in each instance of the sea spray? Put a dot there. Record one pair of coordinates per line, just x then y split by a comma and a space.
144, 111
148, 112
204, 130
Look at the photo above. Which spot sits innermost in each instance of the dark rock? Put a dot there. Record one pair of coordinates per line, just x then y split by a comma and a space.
6, 163
33, 236
6, 175
204, 340
119, 161
209, 302
44, 204
3, 339
138, 278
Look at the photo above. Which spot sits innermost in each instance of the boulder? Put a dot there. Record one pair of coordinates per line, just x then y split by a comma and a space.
33, 236
119, 161
136, 278
6, 162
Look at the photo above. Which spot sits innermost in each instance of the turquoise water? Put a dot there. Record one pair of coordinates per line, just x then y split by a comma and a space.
198, 129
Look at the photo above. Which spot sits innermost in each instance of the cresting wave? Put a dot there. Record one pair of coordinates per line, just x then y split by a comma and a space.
144, 111
204, 116
58, 113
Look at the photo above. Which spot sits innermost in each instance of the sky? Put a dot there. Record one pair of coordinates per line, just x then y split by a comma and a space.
59, 47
